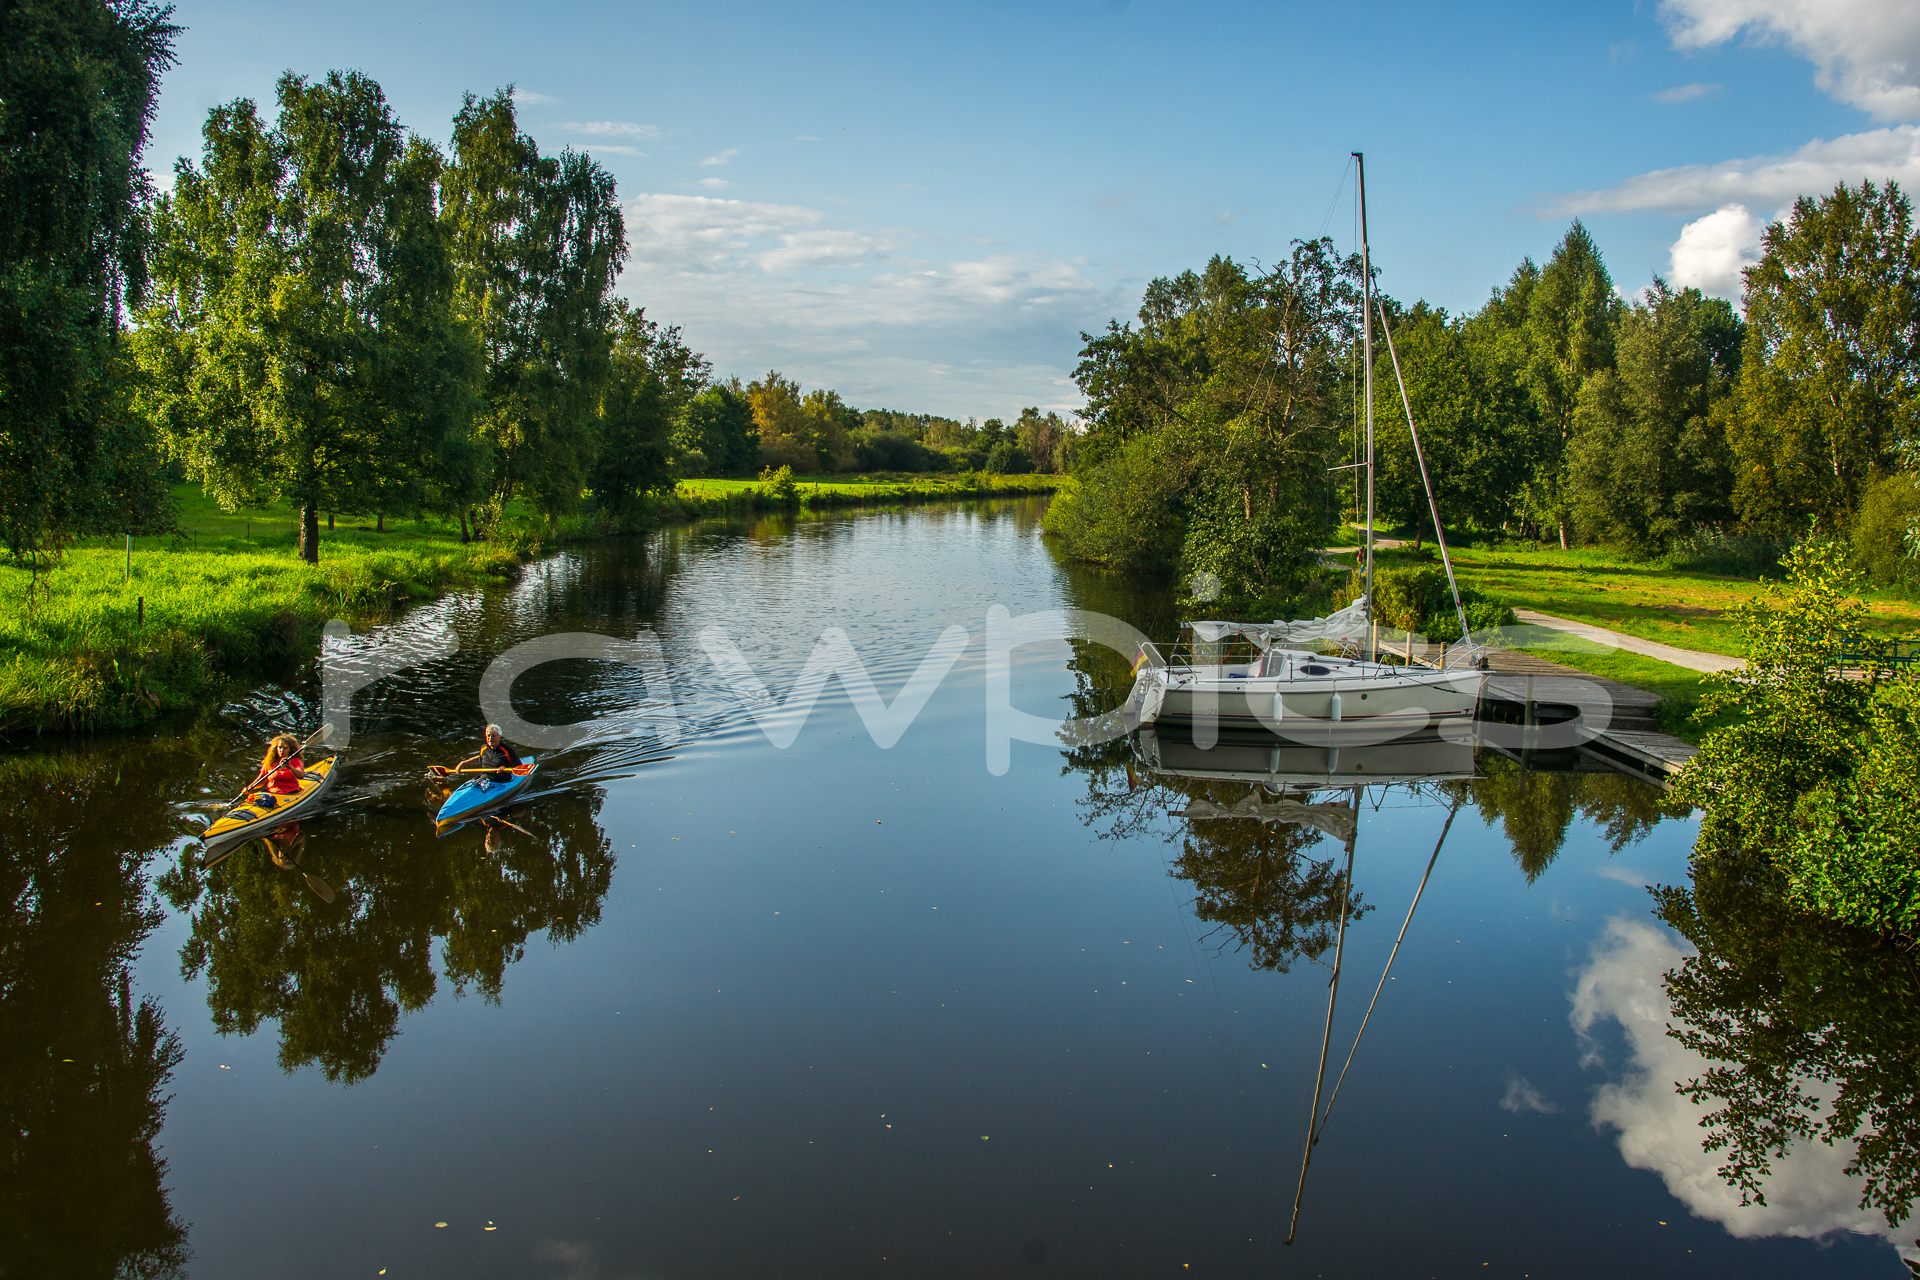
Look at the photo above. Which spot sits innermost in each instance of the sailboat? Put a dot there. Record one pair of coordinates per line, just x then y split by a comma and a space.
1285, 687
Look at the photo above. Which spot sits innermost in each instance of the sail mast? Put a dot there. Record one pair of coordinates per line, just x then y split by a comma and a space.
1366, 329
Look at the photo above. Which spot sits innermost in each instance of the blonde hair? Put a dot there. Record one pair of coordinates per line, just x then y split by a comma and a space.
282, 742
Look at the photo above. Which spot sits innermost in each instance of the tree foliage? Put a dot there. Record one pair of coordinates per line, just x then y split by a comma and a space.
78, 83
1648, 460
1831, 372
1230, 396
299, 276
538, 243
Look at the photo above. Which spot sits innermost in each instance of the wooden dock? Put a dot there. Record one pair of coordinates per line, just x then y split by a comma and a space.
1625, 734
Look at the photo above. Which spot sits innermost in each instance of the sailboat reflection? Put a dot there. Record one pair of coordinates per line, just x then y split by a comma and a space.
1284, 782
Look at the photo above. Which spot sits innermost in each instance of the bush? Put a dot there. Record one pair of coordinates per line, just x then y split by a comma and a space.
1008, 459
1886, 531
1736, 554
891, 451
780, 486
1415, 598
1121, 514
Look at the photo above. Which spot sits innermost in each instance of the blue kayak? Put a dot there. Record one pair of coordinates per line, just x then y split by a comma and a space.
483, 794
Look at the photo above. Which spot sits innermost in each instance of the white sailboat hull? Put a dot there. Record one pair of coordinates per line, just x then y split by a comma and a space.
1352, 701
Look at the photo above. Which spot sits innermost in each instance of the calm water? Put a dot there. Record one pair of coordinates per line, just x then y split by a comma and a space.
721, 1009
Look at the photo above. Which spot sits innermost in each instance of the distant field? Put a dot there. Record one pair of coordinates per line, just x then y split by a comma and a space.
878, 484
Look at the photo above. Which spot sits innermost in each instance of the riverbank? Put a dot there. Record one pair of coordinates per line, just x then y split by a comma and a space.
705, 499
116, 633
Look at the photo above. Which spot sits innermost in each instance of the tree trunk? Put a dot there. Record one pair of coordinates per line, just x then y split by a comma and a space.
329, 522
310, 533
379, 522
1563, 535
463, 527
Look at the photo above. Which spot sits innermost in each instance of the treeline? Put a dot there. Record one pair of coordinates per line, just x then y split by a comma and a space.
1559, 411
331, 311
737, 429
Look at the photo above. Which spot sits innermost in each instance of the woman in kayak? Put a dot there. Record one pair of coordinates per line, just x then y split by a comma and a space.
497, 756
282, 768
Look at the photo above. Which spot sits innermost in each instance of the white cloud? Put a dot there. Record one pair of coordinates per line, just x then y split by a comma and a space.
1808, 1192
610, 128
878, 313
1865, 52
1712, 252
714, 184
615, 149
1624, 875
528, 98
1770, 182
1686, 93
1522, 1098
721, 157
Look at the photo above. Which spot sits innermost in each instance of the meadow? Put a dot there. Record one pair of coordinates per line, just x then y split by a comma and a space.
112, 633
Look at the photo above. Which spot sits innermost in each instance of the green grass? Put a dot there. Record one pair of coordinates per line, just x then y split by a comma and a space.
98, 641
883, 484
716, 497
1679, 688
1681, 607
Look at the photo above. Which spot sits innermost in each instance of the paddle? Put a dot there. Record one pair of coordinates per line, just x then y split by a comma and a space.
442, 771
514, 825
322, 732
316, 884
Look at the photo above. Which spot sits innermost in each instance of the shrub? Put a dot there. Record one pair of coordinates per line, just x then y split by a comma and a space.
780, 486
1121, 515
1886, 531
1719, 551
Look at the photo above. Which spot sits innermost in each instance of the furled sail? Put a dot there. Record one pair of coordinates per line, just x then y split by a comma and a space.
1348, 624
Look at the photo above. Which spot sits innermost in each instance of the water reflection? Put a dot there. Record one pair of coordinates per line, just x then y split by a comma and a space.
1535, 808
84, 1061
1793, 1044
1773, 1094
337, 976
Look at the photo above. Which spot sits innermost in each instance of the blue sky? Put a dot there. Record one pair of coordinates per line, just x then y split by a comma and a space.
923, 207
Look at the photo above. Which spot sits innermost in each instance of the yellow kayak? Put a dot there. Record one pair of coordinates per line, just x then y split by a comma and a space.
251, 818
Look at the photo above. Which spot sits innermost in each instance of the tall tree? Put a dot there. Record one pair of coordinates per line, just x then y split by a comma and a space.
1221, 413
426, 368
1477, 426
1572, 312
263, 339
718, 425
1648, 460
539, 243
655, 376
1830, 383
78, 80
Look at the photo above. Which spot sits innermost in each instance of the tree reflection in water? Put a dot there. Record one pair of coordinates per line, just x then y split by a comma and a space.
83, 1061
1813, 1030
1535, 808
337, 977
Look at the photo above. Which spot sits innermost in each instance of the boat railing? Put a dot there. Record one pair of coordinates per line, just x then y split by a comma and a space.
1389, 646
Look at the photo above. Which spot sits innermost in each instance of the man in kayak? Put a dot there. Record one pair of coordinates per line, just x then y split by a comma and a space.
497, 756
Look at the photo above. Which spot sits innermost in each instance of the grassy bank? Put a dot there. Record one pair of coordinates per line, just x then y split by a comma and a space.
114, 634
104, 639
693, 499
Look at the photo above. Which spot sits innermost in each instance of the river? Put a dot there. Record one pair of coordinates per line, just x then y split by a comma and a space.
717, 1007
